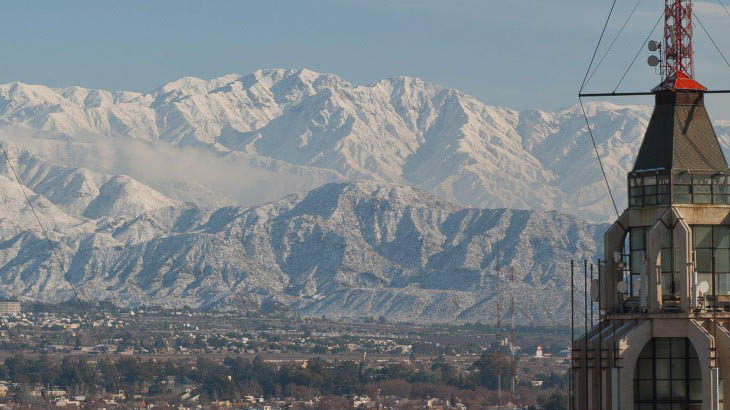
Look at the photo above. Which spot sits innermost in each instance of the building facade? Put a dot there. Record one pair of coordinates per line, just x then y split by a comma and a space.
663, 341
9, 308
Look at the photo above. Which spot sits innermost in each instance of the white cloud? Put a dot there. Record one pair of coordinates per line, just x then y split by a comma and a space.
172, 170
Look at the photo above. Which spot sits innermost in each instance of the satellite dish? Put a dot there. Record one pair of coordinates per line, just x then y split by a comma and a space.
703, 287
653, 61
654, 45
622, 287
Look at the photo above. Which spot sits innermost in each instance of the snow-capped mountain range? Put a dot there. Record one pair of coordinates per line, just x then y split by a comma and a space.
304, 129
342, 250
301, 189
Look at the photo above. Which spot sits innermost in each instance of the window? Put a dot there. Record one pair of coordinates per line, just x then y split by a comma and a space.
721, 189
701, 189
670, 276
668, 376
712, 246
682, 189
637, 262
648, 190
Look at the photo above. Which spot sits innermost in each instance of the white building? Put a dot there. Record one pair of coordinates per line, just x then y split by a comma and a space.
9, 308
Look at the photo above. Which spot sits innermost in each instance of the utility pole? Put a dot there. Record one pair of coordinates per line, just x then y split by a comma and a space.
512, 344
499, 338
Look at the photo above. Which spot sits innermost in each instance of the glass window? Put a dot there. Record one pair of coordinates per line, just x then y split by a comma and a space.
723, 283
721, 237
722, 260
661, 347
701, 189
712, 245
702, 236
670, 282
666, 260
637, 262
637, 238
683, 178
721, 189
703, 260
695, 390
649, 190
667, 376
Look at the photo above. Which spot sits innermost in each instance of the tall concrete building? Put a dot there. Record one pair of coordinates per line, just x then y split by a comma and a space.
663, 341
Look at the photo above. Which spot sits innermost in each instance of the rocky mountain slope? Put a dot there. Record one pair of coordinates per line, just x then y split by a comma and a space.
296, 189
302, 129
342, 250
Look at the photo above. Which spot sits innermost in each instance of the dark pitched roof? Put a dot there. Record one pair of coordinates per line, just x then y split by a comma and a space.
680, 136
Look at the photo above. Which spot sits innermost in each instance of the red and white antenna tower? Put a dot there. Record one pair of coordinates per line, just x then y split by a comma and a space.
678, 65
678, 50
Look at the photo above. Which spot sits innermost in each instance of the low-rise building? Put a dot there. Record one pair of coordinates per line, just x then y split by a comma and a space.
10, 308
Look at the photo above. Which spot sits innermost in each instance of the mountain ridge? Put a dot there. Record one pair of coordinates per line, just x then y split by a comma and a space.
395, 250
322, 128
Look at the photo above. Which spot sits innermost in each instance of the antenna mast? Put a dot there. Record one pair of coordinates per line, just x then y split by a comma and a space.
678, 50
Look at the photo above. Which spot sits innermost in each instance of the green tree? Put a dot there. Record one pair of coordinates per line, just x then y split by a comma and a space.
555, 401
488, 368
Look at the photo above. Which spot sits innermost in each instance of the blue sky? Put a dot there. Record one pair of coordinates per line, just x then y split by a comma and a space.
517, 53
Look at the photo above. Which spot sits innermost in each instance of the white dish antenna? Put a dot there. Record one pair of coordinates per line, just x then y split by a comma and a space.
622, 287
703, 287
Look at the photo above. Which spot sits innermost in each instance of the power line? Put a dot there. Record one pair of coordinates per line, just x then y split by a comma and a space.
600, 39
638, 52
614, 41
52, 247
598, 156
582, 85
712, 39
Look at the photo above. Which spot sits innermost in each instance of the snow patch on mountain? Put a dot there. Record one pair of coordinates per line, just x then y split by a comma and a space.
302, 129
342, 250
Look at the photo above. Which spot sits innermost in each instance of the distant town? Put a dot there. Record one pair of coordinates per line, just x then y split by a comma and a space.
102, 357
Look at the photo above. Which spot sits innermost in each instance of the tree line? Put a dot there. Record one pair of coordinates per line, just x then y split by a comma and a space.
235, 377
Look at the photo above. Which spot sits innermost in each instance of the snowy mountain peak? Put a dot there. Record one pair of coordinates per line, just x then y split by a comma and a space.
401, 130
